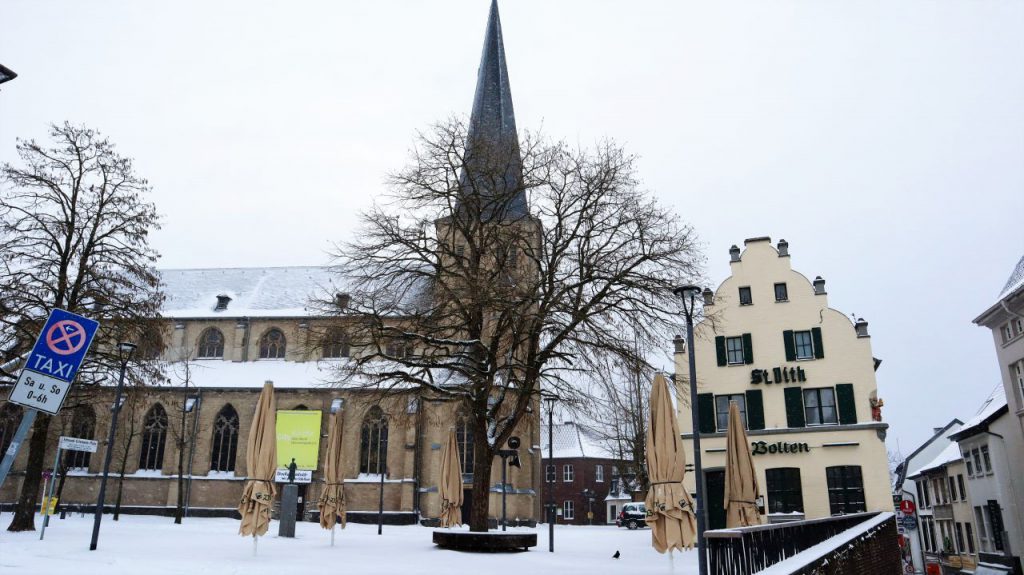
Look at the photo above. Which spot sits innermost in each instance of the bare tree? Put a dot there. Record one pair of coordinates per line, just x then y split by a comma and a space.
74, 230
459, 286
182, 370
130, 429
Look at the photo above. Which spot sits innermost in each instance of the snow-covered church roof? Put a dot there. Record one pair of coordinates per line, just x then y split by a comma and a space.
254, 292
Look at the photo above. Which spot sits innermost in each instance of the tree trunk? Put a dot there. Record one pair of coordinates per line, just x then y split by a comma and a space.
117, 502
482, 462
25, 510
181, 474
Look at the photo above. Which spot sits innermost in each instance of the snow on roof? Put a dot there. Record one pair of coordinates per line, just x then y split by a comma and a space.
1015, 281
948, 455
254, 292
572, 440
251, 374
992, 404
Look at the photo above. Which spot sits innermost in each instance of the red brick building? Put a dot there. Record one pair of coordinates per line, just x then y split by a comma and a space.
583, 474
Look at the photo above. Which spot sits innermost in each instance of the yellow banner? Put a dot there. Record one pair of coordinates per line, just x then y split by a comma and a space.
298, 436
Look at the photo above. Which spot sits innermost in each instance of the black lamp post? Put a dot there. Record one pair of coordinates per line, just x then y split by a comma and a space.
688, 294
506, 454
550, 400
124, 351
589, 495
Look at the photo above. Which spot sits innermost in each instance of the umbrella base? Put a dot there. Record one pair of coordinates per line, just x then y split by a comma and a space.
490, 542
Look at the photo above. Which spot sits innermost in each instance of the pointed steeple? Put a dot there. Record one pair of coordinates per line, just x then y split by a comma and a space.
494, 166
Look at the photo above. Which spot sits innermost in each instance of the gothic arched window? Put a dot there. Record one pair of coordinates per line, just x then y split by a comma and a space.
211, 344
373, 443
272, 344
225, 440
464, 438
10, 417
154, 436
83, 426
335, 343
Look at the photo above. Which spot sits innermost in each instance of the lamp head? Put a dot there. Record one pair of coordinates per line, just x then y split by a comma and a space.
687, 290
514, 461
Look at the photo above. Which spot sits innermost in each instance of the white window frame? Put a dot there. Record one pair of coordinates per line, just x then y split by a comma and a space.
986, 459
1007, 332
599, 473
809, 346
568, 510
1017, 373
730, 352
568, 473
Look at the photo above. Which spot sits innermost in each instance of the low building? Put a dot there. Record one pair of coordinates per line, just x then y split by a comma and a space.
916, 490
804, 378
948, 529
987, 444
583, 474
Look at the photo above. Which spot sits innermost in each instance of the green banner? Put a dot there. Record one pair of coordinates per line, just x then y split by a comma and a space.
298, 436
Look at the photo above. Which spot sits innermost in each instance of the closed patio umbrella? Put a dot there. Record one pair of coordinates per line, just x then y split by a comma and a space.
670, 509
451, 483
741, 490
261, 463
332, 499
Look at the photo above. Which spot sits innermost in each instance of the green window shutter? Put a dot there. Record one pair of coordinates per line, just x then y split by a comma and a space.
706, 412
846, 404
720, 347
794, 407
755, 409
819, 349
787, 338
748, 349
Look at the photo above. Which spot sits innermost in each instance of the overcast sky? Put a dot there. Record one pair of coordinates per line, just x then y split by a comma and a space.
884, 140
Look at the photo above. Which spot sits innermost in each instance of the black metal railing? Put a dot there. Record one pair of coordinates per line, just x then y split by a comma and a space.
747, 550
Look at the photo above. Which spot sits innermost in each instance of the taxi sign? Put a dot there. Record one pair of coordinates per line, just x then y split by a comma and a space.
54, 361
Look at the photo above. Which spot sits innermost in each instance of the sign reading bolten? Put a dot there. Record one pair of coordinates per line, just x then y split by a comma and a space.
54, 361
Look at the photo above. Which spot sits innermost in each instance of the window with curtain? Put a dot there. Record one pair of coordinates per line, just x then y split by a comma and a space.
820, 406
785, 492
225, 440
154, 437
845, 489
272, 344
373, 443
722, 409
211, 344
83, 426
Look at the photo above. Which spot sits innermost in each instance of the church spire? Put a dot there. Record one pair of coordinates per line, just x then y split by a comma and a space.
494, 167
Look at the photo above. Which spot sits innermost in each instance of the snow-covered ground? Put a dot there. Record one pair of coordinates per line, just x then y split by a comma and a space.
140, 544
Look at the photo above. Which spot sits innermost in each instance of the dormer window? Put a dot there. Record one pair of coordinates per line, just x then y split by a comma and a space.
222, 302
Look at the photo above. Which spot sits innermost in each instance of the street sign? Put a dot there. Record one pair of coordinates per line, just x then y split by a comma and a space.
54, 361
907, 506
76, 444
908, 522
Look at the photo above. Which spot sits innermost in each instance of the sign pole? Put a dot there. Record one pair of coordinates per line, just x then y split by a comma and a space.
27, 419
49, 497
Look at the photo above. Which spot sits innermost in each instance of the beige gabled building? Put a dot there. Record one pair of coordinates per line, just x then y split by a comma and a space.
804, 377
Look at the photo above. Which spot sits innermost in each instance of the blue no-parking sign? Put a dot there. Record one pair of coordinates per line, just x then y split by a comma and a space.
54, 361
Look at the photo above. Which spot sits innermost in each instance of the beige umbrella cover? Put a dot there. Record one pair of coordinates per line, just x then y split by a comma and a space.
670, 509
451, 483
261, 463
741, 490
332, 500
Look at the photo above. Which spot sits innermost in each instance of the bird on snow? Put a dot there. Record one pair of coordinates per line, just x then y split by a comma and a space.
616, 556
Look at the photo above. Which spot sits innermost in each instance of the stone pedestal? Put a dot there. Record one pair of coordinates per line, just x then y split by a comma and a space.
289, 503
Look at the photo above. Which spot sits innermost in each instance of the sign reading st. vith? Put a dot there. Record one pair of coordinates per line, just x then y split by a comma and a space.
54, 361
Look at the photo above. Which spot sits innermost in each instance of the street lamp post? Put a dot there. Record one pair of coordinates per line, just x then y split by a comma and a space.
688, 295
589, 495
125, 350
505, 455
550, 400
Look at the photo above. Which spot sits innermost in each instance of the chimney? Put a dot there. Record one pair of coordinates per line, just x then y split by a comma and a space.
342, 300
679, 343
734, 253
222, 302
709, 297
862, 327
783, 248
819, 286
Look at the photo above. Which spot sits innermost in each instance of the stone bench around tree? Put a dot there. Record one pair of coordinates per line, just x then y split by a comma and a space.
489, 542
